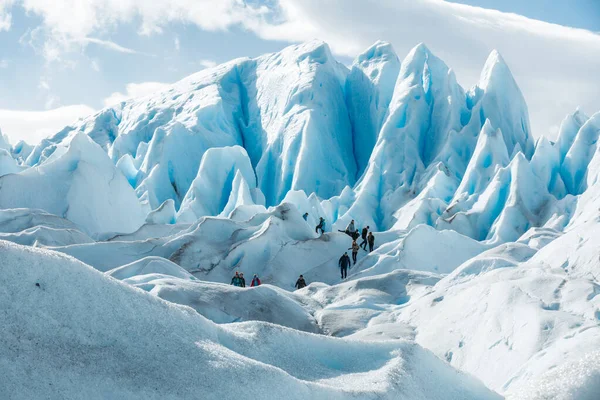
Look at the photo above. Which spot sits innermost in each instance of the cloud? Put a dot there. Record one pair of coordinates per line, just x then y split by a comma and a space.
134, 90
207, 63
33, 126
5, 15
108, 45
555, 66
4, 63
177, 44
76, 21
44, 85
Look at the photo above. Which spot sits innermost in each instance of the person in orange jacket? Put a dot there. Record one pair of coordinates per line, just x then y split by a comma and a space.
255, 281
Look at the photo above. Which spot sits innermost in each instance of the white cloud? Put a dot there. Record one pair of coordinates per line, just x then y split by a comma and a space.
133, 90
207, 63
4, 63
51, 101
5, 15
108, 45
43, 85
177, 44
33, 126
555, 66
75, 21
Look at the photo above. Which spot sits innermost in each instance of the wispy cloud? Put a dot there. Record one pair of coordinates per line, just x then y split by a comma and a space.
108, 45
51, 100
207, 63
4, 63
65, 24
133, 90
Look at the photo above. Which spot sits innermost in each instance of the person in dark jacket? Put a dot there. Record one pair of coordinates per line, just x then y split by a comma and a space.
300, 283
354, 249
371, 241
255, 281
305, 216
243, 281
321, 226
236, 281
344, 263
363, 234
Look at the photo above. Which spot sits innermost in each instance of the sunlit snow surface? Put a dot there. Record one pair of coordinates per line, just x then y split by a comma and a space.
485, 271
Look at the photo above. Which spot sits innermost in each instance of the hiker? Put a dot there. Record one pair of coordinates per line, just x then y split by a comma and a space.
354, 249
344, 263
255, 281
300, 283
321, 225
350, 229
305, 216
236, 281
243, 281
364, 233
371, 240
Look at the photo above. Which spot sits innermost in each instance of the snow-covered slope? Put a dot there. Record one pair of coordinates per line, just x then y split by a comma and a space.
70, 332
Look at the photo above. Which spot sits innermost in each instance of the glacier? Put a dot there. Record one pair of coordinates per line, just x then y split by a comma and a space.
122, 231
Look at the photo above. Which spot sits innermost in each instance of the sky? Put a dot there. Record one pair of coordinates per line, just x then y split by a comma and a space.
64, 59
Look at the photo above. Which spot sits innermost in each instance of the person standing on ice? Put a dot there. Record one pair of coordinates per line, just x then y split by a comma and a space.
321, 226
344, 263
305, 216
243, 281
255, 281
300, 283
371, 240
236, 281
364, 233
354, 249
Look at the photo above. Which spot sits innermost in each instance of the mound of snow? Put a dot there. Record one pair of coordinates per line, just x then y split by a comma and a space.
508, 318
8, 165
150, 265
37, 227
224, 173
421, 249
78, 183
164, 214
225, 303
348, 307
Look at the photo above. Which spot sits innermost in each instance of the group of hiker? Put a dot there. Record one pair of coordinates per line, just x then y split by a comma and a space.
344, 262
239, 280
367, 238
365, 234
